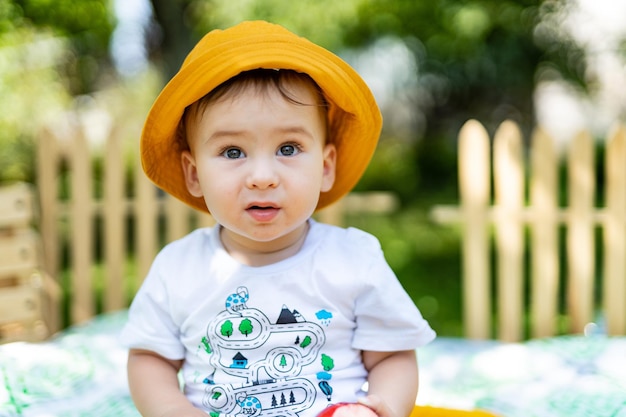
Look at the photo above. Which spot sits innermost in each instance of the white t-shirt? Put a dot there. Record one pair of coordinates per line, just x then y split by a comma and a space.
281, 339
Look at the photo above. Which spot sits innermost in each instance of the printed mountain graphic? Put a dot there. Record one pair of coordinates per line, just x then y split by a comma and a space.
287, 316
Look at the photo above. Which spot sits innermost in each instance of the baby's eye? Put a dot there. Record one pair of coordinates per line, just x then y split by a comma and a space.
232, 153
288, 150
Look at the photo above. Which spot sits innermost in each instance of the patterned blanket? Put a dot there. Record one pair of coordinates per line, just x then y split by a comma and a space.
81, 372
569, 376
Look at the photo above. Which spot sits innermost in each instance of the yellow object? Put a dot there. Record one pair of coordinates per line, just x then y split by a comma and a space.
354, 118
423, 411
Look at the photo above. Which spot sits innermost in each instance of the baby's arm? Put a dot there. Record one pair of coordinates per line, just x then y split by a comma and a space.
154, 386
393, 381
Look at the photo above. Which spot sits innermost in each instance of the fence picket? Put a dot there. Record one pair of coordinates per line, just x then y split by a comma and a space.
580, 231
83, 306
146, 212
475, 190
178, 215
544, 249
614, 292
113, 215
508, 172
510, 215
203, 219
48, 191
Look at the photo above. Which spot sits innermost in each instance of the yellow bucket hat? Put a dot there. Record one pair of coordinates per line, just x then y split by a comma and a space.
354, 118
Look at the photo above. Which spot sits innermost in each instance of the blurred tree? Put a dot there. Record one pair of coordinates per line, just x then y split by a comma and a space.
475, 58
181, 23
50, 50
87, 24
172, 38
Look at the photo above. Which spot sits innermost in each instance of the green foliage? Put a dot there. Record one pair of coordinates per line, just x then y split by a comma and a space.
392, 169
306, 342
328, 363
86, 24
422, 171
49, 52
89, 20
31, 91
476, 59
206, 345
227, 328
245, 327
321, 21
11, 17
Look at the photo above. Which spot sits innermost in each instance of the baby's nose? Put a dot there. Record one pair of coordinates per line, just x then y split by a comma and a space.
263, 174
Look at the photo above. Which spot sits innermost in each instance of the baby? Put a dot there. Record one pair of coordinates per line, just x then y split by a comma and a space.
269, 313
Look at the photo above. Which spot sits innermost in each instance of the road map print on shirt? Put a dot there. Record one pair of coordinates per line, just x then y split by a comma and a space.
268, 357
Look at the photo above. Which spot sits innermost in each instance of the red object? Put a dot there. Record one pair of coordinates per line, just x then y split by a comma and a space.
347, 410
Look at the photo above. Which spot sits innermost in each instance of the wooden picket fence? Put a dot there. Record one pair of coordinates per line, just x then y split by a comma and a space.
108, 212
519, 226
522, 217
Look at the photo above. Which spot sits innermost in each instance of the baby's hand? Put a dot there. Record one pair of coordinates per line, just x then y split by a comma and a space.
375, 403
347, 410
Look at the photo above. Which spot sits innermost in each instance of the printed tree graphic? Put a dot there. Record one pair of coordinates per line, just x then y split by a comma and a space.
327, 362
283, 400
292, 398
283, 361
245, 327
206, 345
306, 342
274, 402
227, 328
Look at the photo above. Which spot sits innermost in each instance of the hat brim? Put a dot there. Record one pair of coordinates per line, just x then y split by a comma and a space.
354, 118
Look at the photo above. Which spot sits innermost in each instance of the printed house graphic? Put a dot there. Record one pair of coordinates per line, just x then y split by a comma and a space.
239, 361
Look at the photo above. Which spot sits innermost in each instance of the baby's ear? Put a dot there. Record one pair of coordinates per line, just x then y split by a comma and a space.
330, 163
190, 170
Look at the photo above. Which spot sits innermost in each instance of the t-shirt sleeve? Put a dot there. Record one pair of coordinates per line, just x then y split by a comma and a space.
150, 324
386, 317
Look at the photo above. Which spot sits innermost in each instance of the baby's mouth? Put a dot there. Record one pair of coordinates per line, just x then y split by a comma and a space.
262, 213
261, 206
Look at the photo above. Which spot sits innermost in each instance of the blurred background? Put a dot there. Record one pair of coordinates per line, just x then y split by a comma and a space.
432, 65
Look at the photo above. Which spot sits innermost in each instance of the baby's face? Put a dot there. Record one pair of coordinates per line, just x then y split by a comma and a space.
260, 162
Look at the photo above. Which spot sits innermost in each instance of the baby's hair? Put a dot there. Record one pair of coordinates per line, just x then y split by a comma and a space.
261, 79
